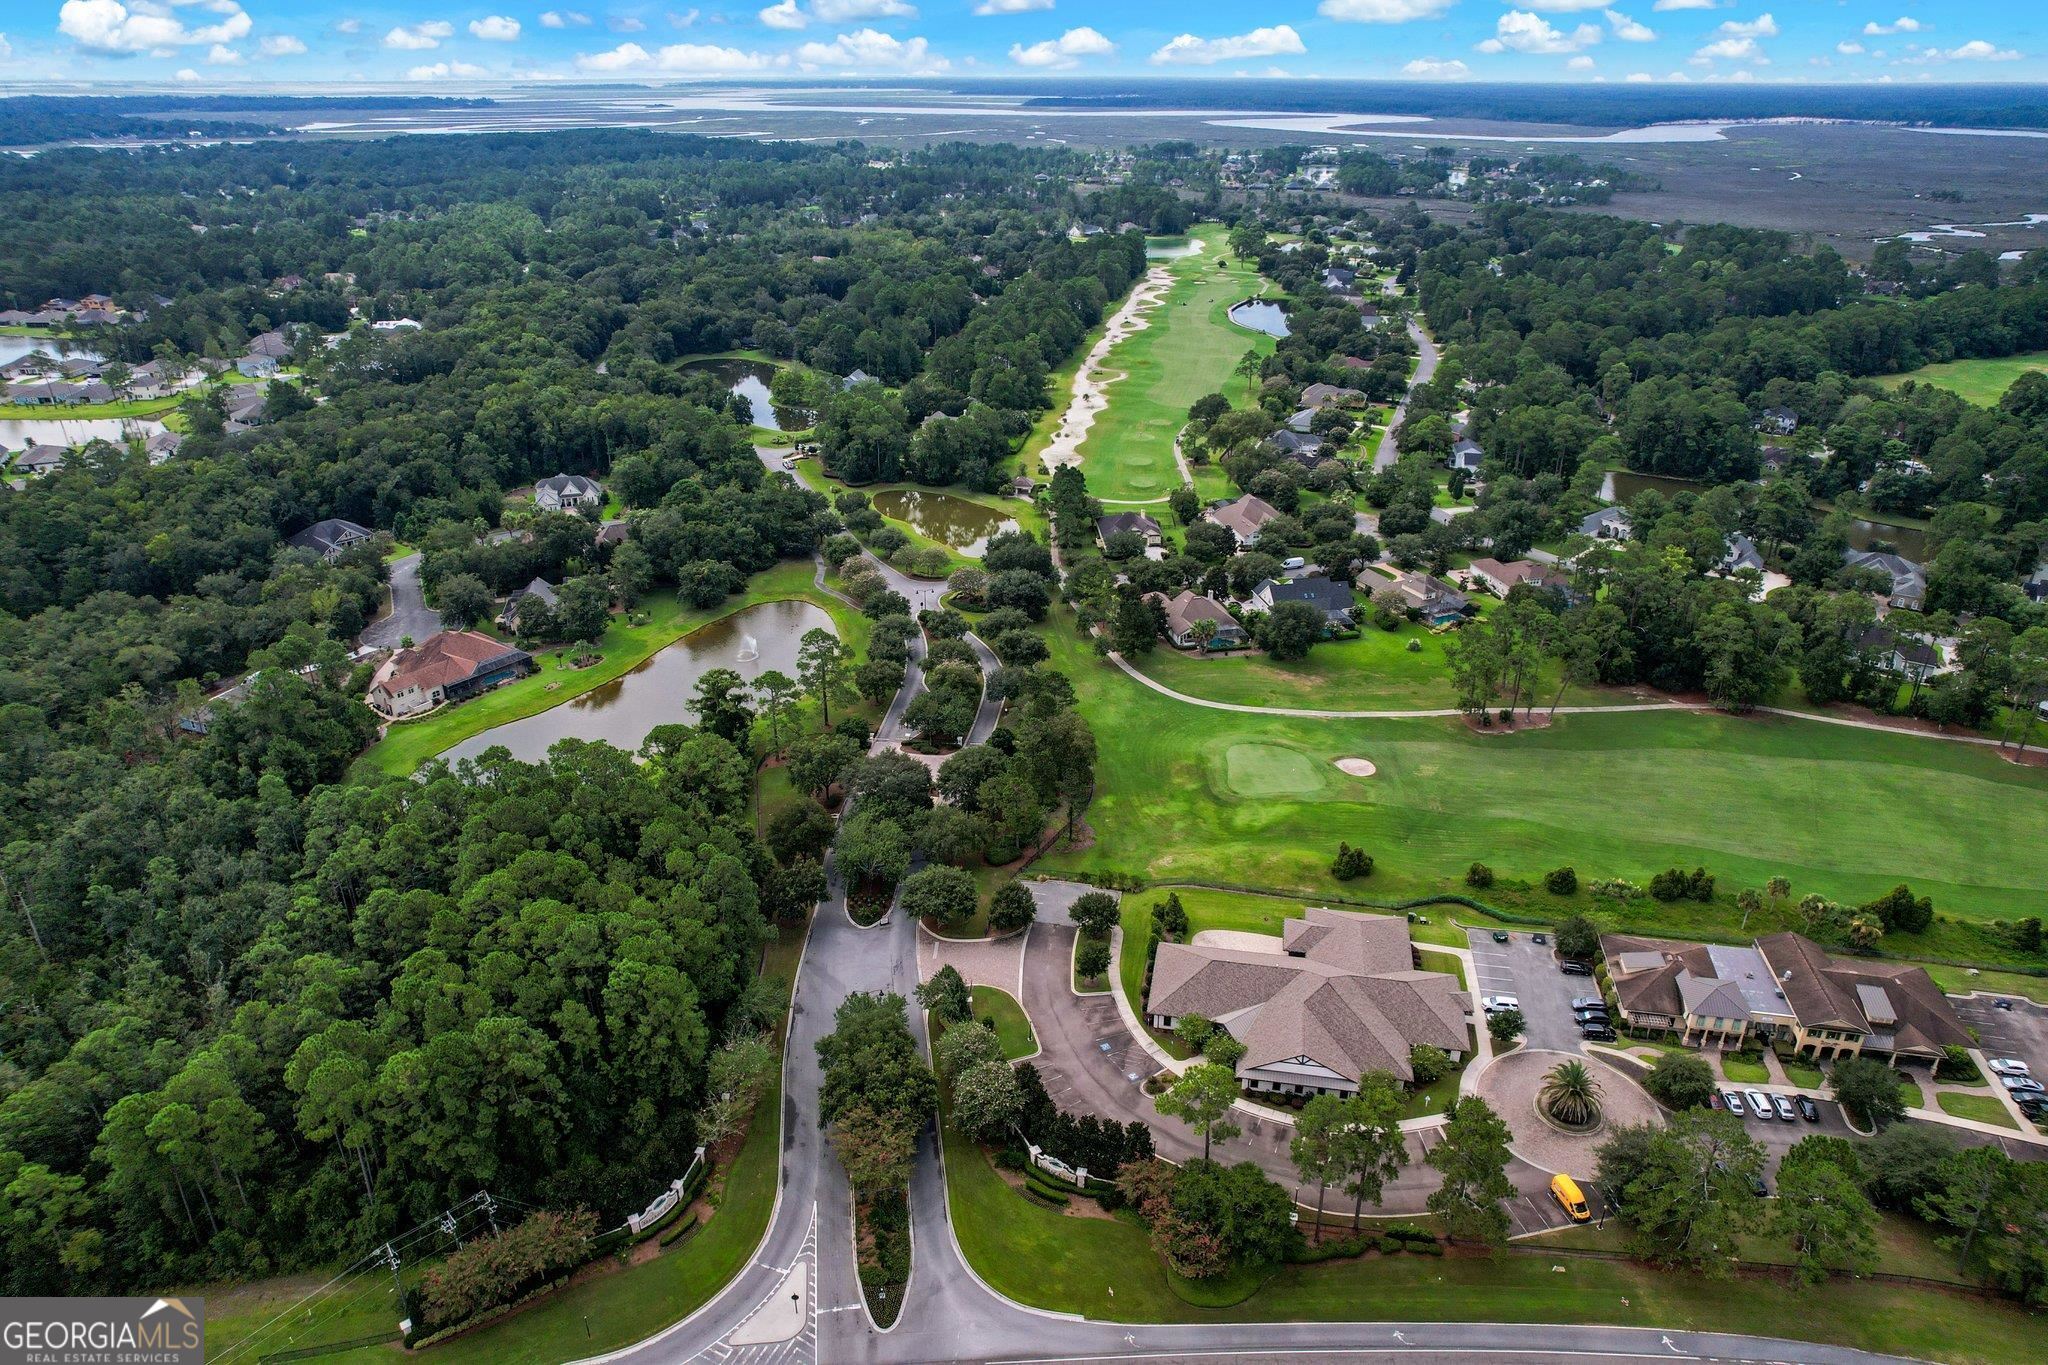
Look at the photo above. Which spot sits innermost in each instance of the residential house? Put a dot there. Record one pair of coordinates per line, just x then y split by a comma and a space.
1912, 657
452, 665
1137, 523
613, 531
274, 344
1342, 998
40, 459
2036, 586
1301, 421
1466, 455
1338, 280
1503, 578
1741, 553
247, 410
1319, 396
1333, 599
256, 366
1609, 523
162, 445
1908, 580
1243, 517
1301, 447
1778, 421
1185, 608
538, 591
567, 492
1435, 601
857, 377
329, 538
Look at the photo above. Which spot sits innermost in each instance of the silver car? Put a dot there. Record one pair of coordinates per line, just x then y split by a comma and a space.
1783, 1104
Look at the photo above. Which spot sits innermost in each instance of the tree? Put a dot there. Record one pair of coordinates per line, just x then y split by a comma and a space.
1869, 1090
1351, 863
940, 896
463, 600
946, 995
720, 703
1012, 908
737, 1076
1504, 1026
963, 1046
631, 571
1578, 937
777, 692
1202, 1098
1290, 630
1561, 881
1570, 1095
872, 848
1091, 959
1372, 1148
1170, 918
1472, 1156
1680, 1080
876, 1146
1250, 1217
987, 1100
1135, 628
819, 760
1095, 912
1824, 1213
1687, 1189
1247, 368
583, 608
822, 665
1316, 1146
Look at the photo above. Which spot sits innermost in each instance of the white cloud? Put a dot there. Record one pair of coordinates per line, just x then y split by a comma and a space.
626, 23
1564, 6
987, 7
1976, 50
558, 18
1521, 31
1064, 51
1277, 41
1628, 30
1383, 11
853, 11
1579, 63
870, 49
1639, 78
447, 71
1730, 50
1434, 69
350, 26
1763, 26
220, 54
495, 28
419, 37
281, 45
676, 57
784, 15
686, 19
147, 26
1663, 5
187, 76
1849, 49
1873, 29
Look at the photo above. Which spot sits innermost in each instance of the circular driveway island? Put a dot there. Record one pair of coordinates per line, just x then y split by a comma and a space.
1510, 1085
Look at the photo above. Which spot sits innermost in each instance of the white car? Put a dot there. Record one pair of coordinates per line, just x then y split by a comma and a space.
2008, 1066
1496, 1003
1759, 1103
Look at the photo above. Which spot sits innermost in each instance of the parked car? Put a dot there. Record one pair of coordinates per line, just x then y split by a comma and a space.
2022, 1084
1571, 966
1539, 938
1592, 1012
1500, 936
2008, 1066
1293, 562
1587, 1002
1733, 1101
1756, 1182
1496, 1003
1759, 1102
1783, 1104
1808, 1110
1596, 1031
2001, 1004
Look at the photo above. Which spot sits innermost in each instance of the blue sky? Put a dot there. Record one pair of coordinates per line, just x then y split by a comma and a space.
216, 44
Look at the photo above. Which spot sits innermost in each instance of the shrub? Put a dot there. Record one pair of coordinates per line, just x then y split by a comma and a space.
1578, 936
1617, 888
1351, 863
1680, 1080
1668, 885
1479, 876
1091, 959
680, 1229
1012, 908
491, 1272
1561, 881
1430, 1064
1407, 1232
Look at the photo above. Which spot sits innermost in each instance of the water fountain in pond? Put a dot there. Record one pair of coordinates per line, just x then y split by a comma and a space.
750, 650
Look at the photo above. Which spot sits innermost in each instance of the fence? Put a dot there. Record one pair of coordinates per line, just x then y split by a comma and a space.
328, 1348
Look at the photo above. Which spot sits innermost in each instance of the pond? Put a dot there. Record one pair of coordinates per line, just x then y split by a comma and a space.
1170, 248
750, 379
1909, 541
13, 348
623, 711
1622, 485
956, 523
18, 433
1260, 316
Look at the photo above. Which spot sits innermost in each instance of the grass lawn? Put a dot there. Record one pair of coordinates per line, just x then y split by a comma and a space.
1063, 1262
1805, 1075
1744, 1072
1012, 1028
83, 412
1982, 1108
1979, 381
1187, 793
1909, 1093
1962, 980
406, 745
1186, 350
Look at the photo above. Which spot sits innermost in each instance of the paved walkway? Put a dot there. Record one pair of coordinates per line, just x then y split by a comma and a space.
997, 962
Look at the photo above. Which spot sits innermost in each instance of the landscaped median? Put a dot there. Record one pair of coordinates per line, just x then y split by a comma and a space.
408, 744
1105, 1268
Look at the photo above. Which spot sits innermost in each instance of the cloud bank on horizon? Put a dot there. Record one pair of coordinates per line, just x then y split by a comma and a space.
218, 44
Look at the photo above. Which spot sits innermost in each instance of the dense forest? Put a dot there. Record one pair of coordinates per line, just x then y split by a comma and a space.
262, 1010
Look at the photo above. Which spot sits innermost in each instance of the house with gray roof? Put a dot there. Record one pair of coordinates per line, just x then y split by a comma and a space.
567, 492
1609, 523
1333, 599
1136, 523
329, 538
1340, 996
1466, 455
1741, 554
1909, 580
1187, 607
539, 592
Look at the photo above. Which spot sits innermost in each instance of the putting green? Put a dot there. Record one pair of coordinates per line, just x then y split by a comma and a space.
1269, 770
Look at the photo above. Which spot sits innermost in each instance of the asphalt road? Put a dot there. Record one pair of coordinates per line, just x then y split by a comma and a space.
1425, 368
409, 615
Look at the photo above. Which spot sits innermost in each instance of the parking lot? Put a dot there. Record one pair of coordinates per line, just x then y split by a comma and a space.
1528, 971
2021, 1031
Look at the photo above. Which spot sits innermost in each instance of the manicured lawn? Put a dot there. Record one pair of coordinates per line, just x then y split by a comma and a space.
1053, 1260
1186, 350
135, 407
1184, 794
1979, 381
1012, 1027
1982, 1108
1805, 1075
1743, 1072
1961, 981
408, 744
1909, 1093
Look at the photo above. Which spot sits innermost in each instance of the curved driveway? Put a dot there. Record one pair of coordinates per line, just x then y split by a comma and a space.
410, 616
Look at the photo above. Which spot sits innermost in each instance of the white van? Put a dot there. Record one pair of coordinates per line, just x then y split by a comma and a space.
1293, 562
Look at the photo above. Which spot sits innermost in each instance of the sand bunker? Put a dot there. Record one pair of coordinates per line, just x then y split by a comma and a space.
1357, 767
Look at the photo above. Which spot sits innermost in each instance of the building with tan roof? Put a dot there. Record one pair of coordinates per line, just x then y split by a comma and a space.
453, 665
1340, 998
1244, 517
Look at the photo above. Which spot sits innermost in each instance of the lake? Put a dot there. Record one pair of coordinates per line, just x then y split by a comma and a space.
18, 433
1622, 485
955, 523
1260, 316
623, 711
13, 348
1909, 541
1168, 248
750, 379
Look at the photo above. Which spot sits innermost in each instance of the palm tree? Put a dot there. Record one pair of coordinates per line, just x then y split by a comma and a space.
1570, 1095
1204, 632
